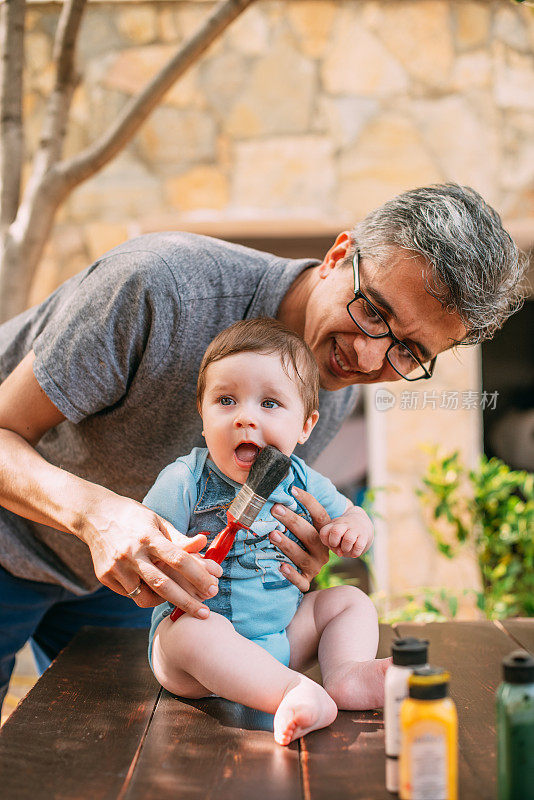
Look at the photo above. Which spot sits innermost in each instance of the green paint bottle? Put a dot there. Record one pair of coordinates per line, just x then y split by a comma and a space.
515, 728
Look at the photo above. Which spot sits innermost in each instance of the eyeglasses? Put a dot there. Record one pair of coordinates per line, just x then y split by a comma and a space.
370, 321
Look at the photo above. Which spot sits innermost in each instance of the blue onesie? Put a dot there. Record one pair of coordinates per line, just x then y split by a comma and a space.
194, 496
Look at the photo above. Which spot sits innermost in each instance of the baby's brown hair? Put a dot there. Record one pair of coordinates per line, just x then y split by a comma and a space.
266, 335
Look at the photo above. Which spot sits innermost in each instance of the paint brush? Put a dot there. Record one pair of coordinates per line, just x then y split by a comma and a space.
268, 470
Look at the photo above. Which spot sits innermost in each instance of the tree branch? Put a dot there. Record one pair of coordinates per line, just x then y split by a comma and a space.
12, 13
137, 110
57, 110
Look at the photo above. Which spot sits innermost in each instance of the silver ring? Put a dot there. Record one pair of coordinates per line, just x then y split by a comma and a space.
135, 591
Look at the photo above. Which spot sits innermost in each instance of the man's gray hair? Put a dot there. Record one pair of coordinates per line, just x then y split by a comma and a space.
475, 268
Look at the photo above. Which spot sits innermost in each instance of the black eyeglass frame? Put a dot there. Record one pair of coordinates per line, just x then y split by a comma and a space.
394, 340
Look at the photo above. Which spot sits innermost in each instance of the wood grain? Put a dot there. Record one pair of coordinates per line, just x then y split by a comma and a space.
522, 631
77, 732
96, 726
213, 749
347, 759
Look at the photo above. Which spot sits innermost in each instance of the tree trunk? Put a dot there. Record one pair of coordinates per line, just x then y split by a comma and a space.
23, 237
24, 241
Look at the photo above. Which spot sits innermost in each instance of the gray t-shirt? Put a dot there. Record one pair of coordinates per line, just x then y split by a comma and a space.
118, 349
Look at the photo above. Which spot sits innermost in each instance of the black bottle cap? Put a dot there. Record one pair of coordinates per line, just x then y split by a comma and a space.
518, 667
409, 652
428, 683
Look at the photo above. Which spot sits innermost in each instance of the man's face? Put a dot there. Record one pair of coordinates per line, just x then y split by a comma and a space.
343, 353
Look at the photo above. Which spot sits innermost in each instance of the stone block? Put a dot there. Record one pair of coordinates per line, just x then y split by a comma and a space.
44, 80
250, 33
294, 173
102, 236
462, 133
98, 34
511, 27
243, 122
203, 187
472, 71
356, 62
122, 191
312, 22
514, 75
265, 103
174, 137
134, 68
519, 203
518, 151
472, 24
419, 36
138, 24
387, 158
167, 25
343, 118
222, 79
37, 52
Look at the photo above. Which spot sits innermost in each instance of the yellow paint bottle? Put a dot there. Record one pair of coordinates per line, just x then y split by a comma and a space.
429, 738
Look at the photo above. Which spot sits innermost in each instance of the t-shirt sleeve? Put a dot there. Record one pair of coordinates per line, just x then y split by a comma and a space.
173, 495
100, 331
326, 493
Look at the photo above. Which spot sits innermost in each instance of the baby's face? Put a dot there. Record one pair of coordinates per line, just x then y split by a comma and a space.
250, 401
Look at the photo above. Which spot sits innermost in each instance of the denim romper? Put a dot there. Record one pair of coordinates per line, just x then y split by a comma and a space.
253, 594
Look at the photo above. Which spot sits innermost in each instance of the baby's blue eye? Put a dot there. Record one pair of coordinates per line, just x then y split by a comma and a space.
225, 401
269, 404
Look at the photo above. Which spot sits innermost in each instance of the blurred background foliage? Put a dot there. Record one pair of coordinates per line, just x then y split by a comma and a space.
490, 508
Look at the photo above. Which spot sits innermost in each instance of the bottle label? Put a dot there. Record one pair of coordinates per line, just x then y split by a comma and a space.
393, 733
428, 754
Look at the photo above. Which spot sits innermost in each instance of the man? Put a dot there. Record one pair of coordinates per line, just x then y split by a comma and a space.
98, 392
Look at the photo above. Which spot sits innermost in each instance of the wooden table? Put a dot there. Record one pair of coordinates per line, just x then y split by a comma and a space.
97, 725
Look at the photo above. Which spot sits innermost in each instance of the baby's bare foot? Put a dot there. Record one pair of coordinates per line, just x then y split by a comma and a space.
358, 685
305, 707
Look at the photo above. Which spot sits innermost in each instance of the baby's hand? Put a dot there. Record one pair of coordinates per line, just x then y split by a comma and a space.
350, 535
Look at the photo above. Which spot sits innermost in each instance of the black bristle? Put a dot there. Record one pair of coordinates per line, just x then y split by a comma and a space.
269, 469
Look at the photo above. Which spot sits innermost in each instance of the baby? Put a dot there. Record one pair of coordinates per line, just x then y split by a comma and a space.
258, 385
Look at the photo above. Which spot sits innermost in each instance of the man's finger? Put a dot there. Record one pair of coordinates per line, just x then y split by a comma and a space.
296, 524
167, 589
195, 544
191, 544
193, 569
145, 599
298, 556
318, 514
298, 580
182, 582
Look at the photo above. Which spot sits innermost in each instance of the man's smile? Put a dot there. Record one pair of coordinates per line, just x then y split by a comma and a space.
340, 363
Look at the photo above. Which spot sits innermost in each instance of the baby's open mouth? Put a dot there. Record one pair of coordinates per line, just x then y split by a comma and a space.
246, 453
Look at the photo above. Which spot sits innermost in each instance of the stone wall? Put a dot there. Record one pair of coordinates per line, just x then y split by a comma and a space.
305, 115
315, 109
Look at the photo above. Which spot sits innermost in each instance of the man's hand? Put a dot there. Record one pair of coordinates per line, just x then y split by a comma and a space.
132, 546
311, 560
350, 535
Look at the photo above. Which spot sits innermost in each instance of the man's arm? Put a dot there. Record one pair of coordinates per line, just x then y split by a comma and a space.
126, 539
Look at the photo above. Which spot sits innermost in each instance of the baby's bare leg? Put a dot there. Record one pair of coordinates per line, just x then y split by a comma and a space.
193, 658
341, 623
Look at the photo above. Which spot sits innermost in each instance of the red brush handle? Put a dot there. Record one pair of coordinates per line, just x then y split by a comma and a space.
217, 551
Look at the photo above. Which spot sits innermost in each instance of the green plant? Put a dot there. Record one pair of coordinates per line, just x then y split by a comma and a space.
491, 506
425, 604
